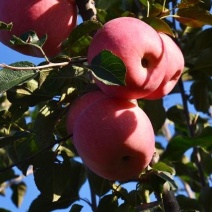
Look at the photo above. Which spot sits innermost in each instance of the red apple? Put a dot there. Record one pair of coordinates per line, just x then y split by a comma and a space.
79, 105
52, 17
140, 48
114, 138
174, 68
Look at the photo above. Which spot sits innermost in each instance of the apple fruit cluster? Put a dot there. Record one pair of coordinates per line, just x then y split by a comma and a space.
53, 18
112, 134
153, 61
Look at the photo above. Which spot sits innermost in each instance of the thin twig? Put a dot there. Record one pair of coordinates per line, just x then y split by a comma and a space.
87, 9
34, 68
192, 133
49, 65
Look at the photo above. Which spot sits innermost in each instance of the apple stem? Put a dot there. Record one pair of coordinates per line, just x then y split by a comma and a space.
87, 9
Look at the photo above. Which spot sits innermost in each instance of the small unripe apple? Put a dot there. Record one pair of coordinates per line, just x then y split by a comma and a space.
52, 17
174, 68
79, 105
114, 138
141, 49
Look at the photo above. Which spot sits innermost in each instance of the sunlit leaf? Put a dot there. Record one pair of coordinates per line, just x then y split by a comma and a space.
187, 3
10, 78
29, 38
80, 38
19, 191
44, 125
4, 26
194, 17
160, 166
159, 25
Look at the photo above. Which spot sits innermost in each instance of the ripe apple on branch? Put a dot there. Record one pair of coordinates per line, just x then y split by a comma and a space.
53, 18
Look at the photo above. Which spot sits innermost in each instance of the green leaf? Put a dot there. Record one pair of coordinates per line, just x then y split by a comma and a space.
187, 3
74, 178
203, 64
156, 180
10, 78
188, 172
51, 177
179, 144
159, 25
40, 204
100, 185
197, 43
10, 139
200, 93
19, 191
155, 111
4, 26
206, 160
108, 203
29, 38
45, 124
76, 208
150, 207
7, 175
5, 161
22, 94
188, 204
125, 208
53, 82
80, 38
176, 114
194, 17
108, 68
4, 210
160, 166
205, 198
70, 194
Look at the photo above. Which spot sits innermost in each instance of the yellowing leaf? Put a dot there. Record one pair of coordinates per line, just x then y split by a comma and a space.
194, 17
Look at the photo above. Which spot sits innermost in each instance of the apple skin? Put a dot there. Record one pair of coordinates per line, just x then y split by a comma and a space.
114, 138
174, 68
79, 105
140, 48
52, 17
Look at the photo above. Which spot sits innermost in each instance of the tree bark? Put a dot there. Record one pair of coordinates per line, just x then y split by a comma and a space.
87, 9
